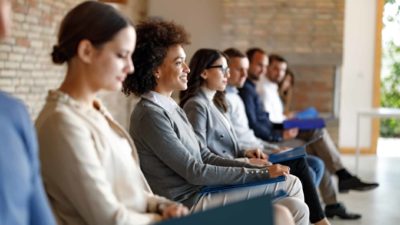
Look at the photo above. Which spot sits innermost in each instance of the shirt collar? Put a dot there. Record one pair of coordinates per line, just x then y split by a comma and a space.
231, 89
271, 84
165, 102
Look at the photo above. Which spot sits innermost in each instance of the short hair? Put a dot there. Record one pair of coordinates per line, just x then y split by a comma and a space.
252, 51
233, 52
94, 21
276, 57
154, 38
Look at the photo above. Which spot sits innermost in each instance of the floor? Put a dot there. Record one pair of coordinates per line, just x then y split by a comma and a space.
380, 206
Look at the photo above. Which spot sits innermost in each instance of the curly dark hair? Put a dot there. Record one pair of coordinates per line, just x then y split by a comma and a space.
154, 38
201, 60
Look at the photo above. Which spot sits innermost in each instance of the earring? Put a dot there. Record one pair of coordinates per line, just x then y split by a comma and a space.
157, 76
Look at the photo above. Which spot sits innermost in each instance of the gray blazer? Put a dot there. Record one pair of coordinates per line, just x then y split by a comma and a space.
207, 123
174, 162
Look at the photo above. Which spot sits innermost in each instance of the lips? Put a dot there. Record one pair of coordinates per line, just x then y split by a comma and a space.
121, 78
183, 78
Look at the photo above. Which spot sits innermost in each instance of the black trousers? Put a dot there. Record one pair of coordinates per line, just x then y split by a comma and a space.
299, 168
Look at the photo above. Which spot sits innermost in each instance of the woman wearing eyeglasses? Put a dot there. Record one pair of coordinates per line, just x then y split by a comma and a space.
176, 165
207, 81
206, 108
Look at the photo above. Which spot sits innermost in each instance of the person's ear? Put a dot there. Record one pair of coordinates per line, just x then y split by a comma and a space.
157, 73
204, 74
86, 51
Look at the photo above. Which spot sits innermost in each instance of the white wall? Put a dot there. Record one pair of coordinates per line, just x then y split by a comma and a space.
357, 71
201, 18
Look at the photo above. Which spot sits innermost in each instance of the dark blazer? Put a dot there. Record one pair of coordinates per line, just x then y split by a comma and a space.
210, 128
258, 117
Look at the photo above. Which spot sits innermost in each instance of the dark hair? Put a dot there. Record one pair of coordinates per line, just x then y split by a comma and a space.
252, 51
90, 20
289, 73
284, 93
276, 57
201, 60
154, 38
233, 52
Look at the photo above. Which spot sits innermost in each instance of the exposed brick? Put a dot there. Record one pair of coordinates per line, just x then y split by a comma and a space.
26, 69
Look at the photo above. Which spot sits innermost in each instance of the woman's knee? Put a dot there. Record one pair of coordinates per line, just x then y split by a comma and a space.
282, 215
297, 208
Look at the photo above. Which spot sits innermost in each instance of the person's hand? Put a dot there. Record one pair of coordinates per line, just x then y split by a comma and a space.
277, 170
290, 133
290, 115
255, 153
174, 210
259, 162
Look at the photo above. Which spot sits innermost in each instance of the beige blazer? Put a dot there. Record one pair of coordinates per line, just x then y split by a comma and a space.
90, 166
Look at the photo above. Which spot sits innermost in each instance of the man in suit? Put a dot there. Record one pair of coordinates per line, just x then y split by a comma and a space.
323, 148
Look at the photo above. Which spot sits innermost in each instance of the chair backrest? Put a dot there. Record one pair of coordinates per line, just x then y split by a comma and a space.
259, 211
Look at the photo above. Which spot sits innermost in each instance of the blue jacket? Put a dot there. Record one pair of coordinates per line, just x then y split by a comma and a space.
22, 197
258, 118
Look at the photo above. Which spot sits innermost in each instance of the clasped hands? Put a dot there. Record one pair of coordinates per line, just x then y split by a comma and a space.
259, 158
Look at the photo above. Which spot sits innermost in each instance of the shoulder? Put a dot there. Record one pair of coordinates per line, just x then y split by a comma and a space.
145, 108
146, 113
60, 118
11, 106
197, 101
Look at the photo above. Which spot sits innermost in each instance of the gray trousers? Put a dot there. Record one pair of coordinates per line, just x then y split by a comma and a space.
326, 150
294, 202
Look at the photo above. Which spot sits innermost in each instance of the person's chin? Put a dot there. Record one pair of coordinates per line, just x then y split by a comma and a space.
221, 88
115, 87
183, 87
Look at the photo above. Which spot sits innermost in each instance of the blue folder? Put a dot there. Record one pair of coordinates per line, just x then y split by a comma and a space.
304, 124
286, 155
308, 113
218, 188
258, 209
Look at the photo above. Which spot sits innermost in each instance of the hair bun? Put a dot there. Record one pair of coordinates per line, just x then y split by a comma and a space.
57, 55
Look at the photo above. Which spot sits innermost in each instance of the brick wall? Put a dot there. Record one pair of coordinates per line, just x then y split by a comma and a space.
306, 32
26, 69
314, 87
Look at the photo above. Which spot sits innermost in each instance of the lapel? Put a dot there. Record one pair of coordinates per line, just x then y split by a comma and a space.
214, 110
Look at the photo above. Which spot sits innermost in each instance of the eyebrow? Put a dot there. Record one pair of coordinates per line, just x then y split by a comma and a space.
180, 57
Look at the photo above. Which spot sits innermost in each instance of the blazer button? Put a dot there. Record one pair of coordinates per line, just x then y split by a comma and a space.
221, 136
224, 151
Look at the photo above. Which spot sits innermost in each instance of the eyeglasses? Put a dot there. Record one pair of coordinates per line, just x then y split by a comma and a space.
224, 70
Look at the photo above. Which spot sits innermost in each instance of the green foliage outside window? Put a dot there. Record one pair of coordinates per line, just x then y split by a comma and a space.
390, 92
390, 82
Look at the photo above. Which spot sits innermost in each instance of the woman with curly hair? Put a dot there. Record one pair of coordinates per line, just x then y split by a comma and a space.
174, 162
89, 163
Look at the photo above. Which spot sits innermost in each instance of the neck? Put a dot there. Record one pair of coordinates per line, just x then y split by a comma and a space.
77, 87
163, 91
208, 92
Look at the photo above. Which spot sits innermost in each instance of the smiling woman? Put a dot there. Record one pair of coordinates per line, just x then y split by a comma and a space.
173, 160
